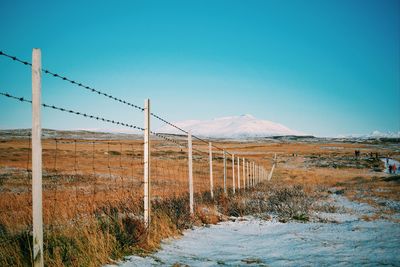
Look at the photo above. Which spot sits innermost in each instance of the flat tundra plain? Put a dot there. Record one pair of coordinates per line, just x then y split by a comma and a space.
85, 179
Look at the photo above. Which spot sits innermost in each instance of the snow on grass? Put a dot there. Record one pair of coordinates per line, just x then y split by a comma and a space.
348, 242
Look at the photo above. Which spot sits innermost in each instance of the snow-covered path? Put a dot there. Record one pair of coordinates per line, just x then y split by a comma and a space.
349, 241
391, 162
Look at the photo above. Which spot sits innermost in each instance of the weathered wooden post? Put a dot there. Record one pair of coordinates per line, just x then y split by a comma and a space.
255, 174
190, 162
244, 173
251, 173
272, 169
233, 173
146, 198
225, 191
211, 171
238, 172
37, 213
247, 174
263, 174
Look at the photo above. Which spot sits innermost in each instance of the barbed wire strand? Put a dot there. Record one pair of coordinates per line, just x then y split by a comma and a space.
22, 99
92, 89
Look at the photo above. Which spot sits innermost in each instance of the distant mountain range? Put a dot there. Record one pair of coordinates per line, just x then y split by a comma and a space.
243, 126
373, 135
235, 127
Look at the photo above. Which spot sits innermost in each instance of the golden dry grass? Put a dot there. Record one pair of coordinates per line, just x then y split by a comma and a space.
86, 182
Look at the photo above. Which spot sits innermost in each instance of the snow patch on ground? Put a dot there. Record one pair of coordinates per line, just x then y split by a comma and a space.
391, 162
348, 242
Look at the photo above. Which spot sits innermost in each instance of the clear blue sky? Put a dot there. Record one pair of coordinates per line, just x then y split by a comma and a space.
321, 67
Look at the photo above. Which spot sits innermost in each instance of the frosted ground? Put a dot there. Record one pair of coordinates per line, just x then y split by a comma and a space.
345, 239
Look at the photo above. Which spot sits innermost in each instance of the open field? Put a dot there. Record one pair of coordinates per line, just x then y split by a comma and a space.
93, 192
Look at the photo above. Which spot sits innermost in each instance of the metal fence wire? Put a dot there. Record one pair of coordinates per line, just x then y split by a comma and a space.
86, 179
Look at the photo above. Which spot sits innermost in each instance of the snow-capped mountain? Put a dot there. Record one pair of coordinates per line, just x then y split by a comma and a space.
231, 127
378, 134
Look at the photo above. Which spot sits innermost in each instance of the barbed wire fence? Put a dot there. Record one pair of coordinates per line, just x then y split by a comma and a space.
86, 178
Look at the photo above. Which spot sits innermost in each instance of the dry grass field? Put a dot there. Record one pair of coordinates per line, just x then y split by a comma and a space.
92, 190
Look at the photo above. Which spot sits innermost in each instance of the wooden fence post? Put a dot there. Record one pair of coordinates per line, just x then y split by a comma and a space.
190, 162
251, 174
37, 212
238, 172
263, 174
146, 198
255, 174
233, 173
225, 191
272, 169
211, 171
244, 173
247, 174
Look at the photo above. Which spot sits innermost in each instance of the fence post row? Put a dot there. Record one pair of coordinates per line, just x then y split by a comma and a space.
37, 212
233, 173
146, 198
211, 171
190, 162
252, 173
